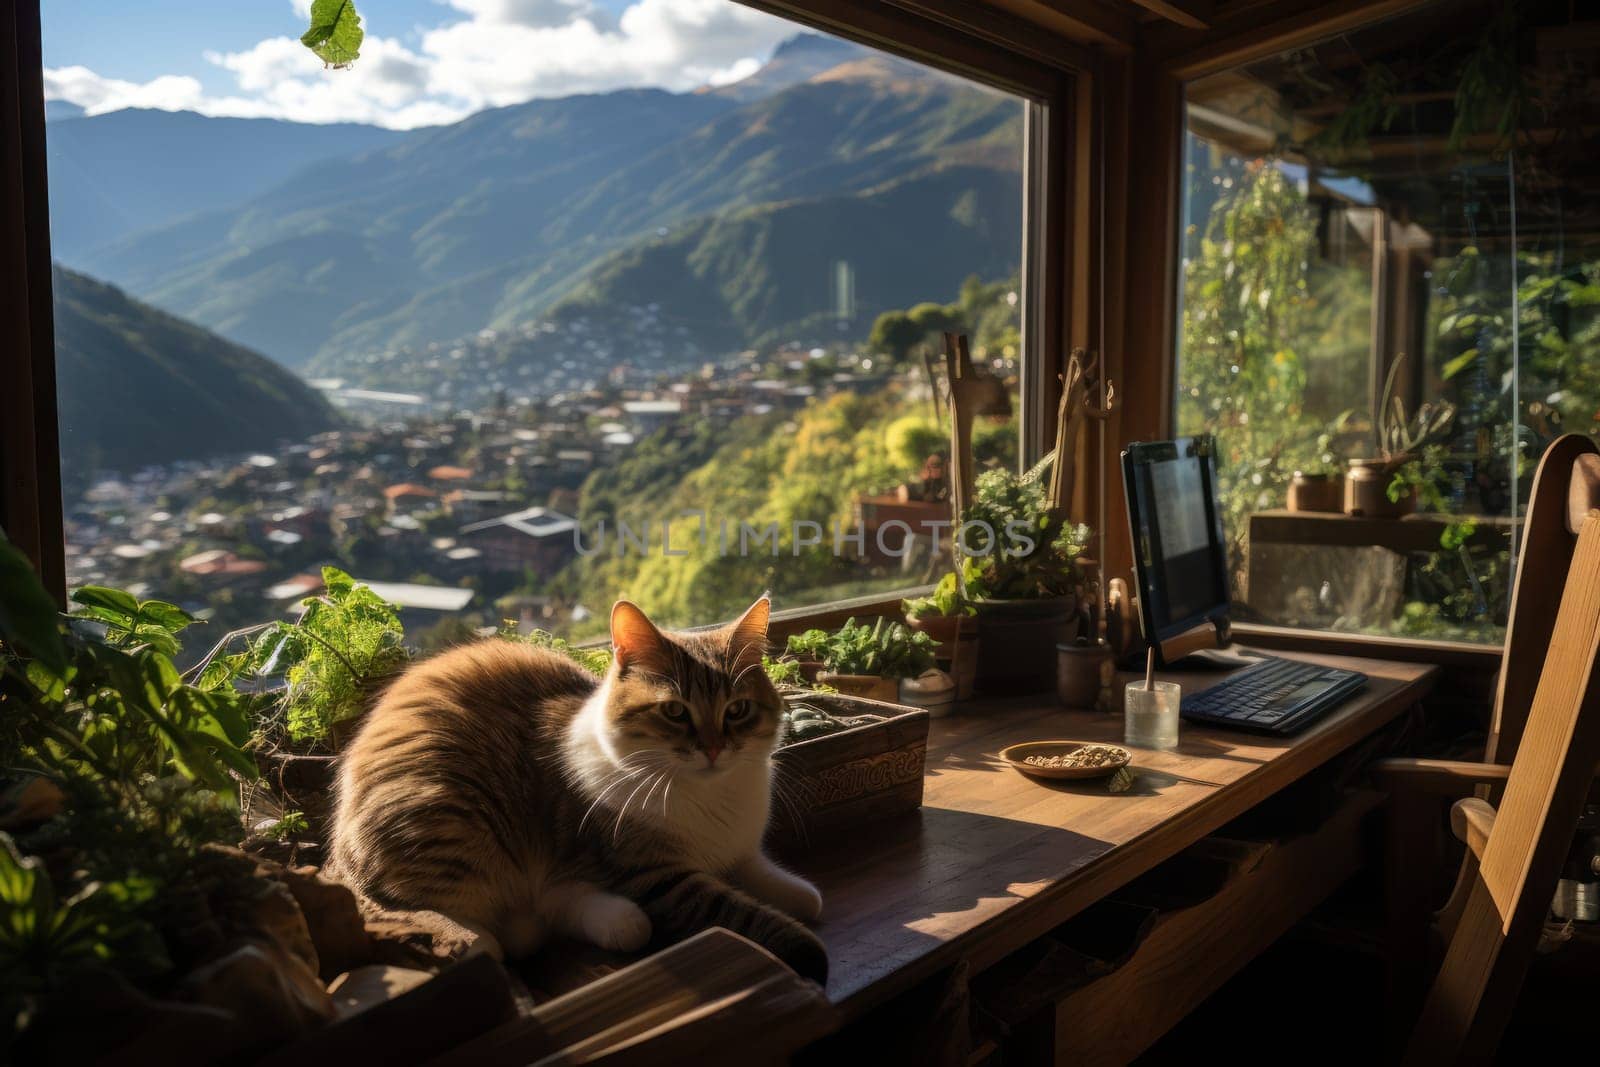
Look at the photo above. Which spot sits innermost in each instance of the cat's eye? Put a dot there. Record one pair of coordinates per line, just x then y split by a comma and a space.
675, 712
738, 710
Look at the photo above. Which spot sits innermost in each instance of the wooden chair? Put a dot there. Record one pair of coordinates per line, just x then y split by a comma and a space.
713, 999
1543, 749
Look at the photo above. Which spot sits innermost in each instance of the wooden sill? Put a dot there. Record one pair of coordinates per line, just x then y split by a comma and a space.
1409, 649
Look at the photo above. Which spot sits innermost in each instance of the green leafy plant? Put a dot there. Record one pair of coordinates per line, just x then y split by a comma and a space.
783, 672
131, 622
289, 824
335, 33
1034, 552
885, 649
949, 597
1402, 433
593, 660
345, 642
143, 768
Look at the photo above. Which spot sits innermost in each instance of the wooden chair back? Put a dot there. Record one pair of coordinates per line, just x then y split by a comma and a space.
1542, 564
1520, 847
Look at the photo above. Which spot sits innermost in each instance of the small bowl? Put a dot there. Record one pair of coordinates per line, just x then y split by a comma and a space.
1017, 754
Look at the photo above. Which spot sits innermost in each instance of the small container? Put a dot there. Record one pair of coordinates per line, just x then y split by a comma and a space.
1081, 672
1316, 492
934, 690
1150, 716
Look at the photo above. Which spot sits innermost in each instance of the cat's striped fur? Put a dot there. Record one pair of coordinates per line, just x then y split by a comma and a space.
513, 792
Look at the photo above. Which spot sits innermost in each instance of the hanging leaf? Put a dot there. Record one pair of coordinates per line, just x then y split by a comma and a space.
335, 34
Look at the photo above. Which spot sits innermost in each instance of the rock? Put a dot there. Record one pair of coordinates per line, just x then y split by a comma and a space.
333, 919
274, 995
364, 987
274, 913
422, 938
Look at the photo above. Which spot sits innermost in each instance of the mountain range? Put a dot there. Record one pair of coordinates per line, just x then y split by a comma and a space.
832, 184
133, 170
138, 386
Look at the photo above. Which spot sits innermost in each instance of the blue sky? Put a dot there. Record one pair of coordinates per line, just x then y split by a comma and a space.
425, 61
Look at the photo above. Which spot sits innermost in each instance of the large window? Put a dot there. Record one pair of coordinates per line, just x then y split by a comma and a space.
527, 311
1389, 295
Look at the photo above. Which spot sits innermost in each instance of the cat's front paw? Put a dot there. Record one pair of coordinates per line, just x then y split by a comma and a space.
615, 923
789, 893
802, 950
800, 898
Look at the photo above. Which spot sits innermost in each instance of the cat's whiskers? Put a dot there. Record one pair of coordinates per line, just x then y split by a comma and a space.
616, 831
620, 777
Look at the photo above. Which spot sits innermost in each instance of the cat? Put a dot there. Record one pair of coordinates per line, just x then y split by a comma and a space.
518, 795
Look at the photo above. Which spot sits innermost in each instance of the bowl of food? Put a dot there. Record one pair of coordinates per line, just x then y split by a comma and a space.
1067, 759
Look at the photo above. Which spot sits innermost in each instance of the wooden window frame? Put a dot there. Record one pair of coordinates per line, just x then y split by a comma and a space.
1150, 167
30, 460
1102, 182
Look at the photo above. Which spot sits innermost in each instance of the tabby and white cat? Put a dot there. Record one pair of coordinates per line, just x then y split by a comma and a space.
513, 792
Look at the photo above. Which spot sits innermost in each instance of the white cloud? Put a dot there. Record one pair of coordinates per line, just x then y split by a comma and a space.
82, 86
503, 52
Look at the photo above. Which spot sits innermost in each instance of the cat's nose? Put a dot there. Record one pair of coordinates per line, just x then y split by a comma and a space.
712, 752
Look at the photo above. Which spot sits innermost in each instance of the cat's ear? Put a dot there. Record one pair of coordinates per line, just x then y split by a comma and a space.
634, 638
748, 636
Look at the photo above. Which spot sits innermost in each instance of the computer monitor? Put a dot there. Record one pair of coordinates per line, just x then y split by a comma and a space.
1181, 557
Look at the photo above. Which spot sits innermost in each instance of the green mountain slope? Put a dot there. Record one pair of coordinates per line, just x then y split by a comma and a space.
750, 276
496, 219
138, 386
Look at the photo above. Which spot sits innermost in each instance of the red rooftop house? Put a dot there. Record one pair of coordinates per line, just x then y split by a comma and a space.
408, 499
534, 538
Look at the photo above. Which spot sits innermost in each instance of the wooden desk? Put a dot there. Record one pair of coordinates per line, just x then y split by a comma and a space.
994, 859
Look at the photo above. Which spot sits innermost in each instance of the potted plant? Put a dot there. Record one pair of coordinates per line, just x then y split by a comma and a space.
947, 615
867, 661
1386, 486
1027, 581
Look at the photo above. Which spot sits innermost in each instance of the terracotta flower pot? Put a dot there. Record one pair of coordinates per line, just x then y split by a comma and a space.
870, 686
1017, 642
1316, 492
1366, 489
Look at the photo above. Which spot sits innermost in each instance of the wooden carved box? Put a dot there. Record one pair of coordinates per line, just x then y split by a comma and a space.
859, 774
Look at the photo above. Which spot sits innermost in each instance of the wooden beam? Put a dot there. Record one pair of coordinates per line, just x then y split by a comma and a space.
30, 458
1195, 14
1144, 180
1112, 28
894, 27
1260, 31
1008, 24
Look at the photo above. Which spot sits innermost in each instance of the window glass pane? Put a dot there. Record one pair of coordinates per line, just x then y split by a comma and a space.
514, 275
1386, 312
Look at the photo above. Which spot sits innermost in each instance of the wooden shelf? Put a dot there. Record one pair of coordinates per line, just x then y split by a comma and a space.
1410, 533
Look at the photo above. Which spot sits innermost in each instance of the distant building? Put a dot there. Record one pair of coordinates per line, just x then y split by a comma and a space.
650, 415
534, 538
473, 505
220, 566
406, 498
450, 474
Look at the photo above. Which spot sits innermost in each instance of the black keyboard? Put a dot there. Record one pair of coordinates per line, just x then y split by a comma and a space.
1278, 696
